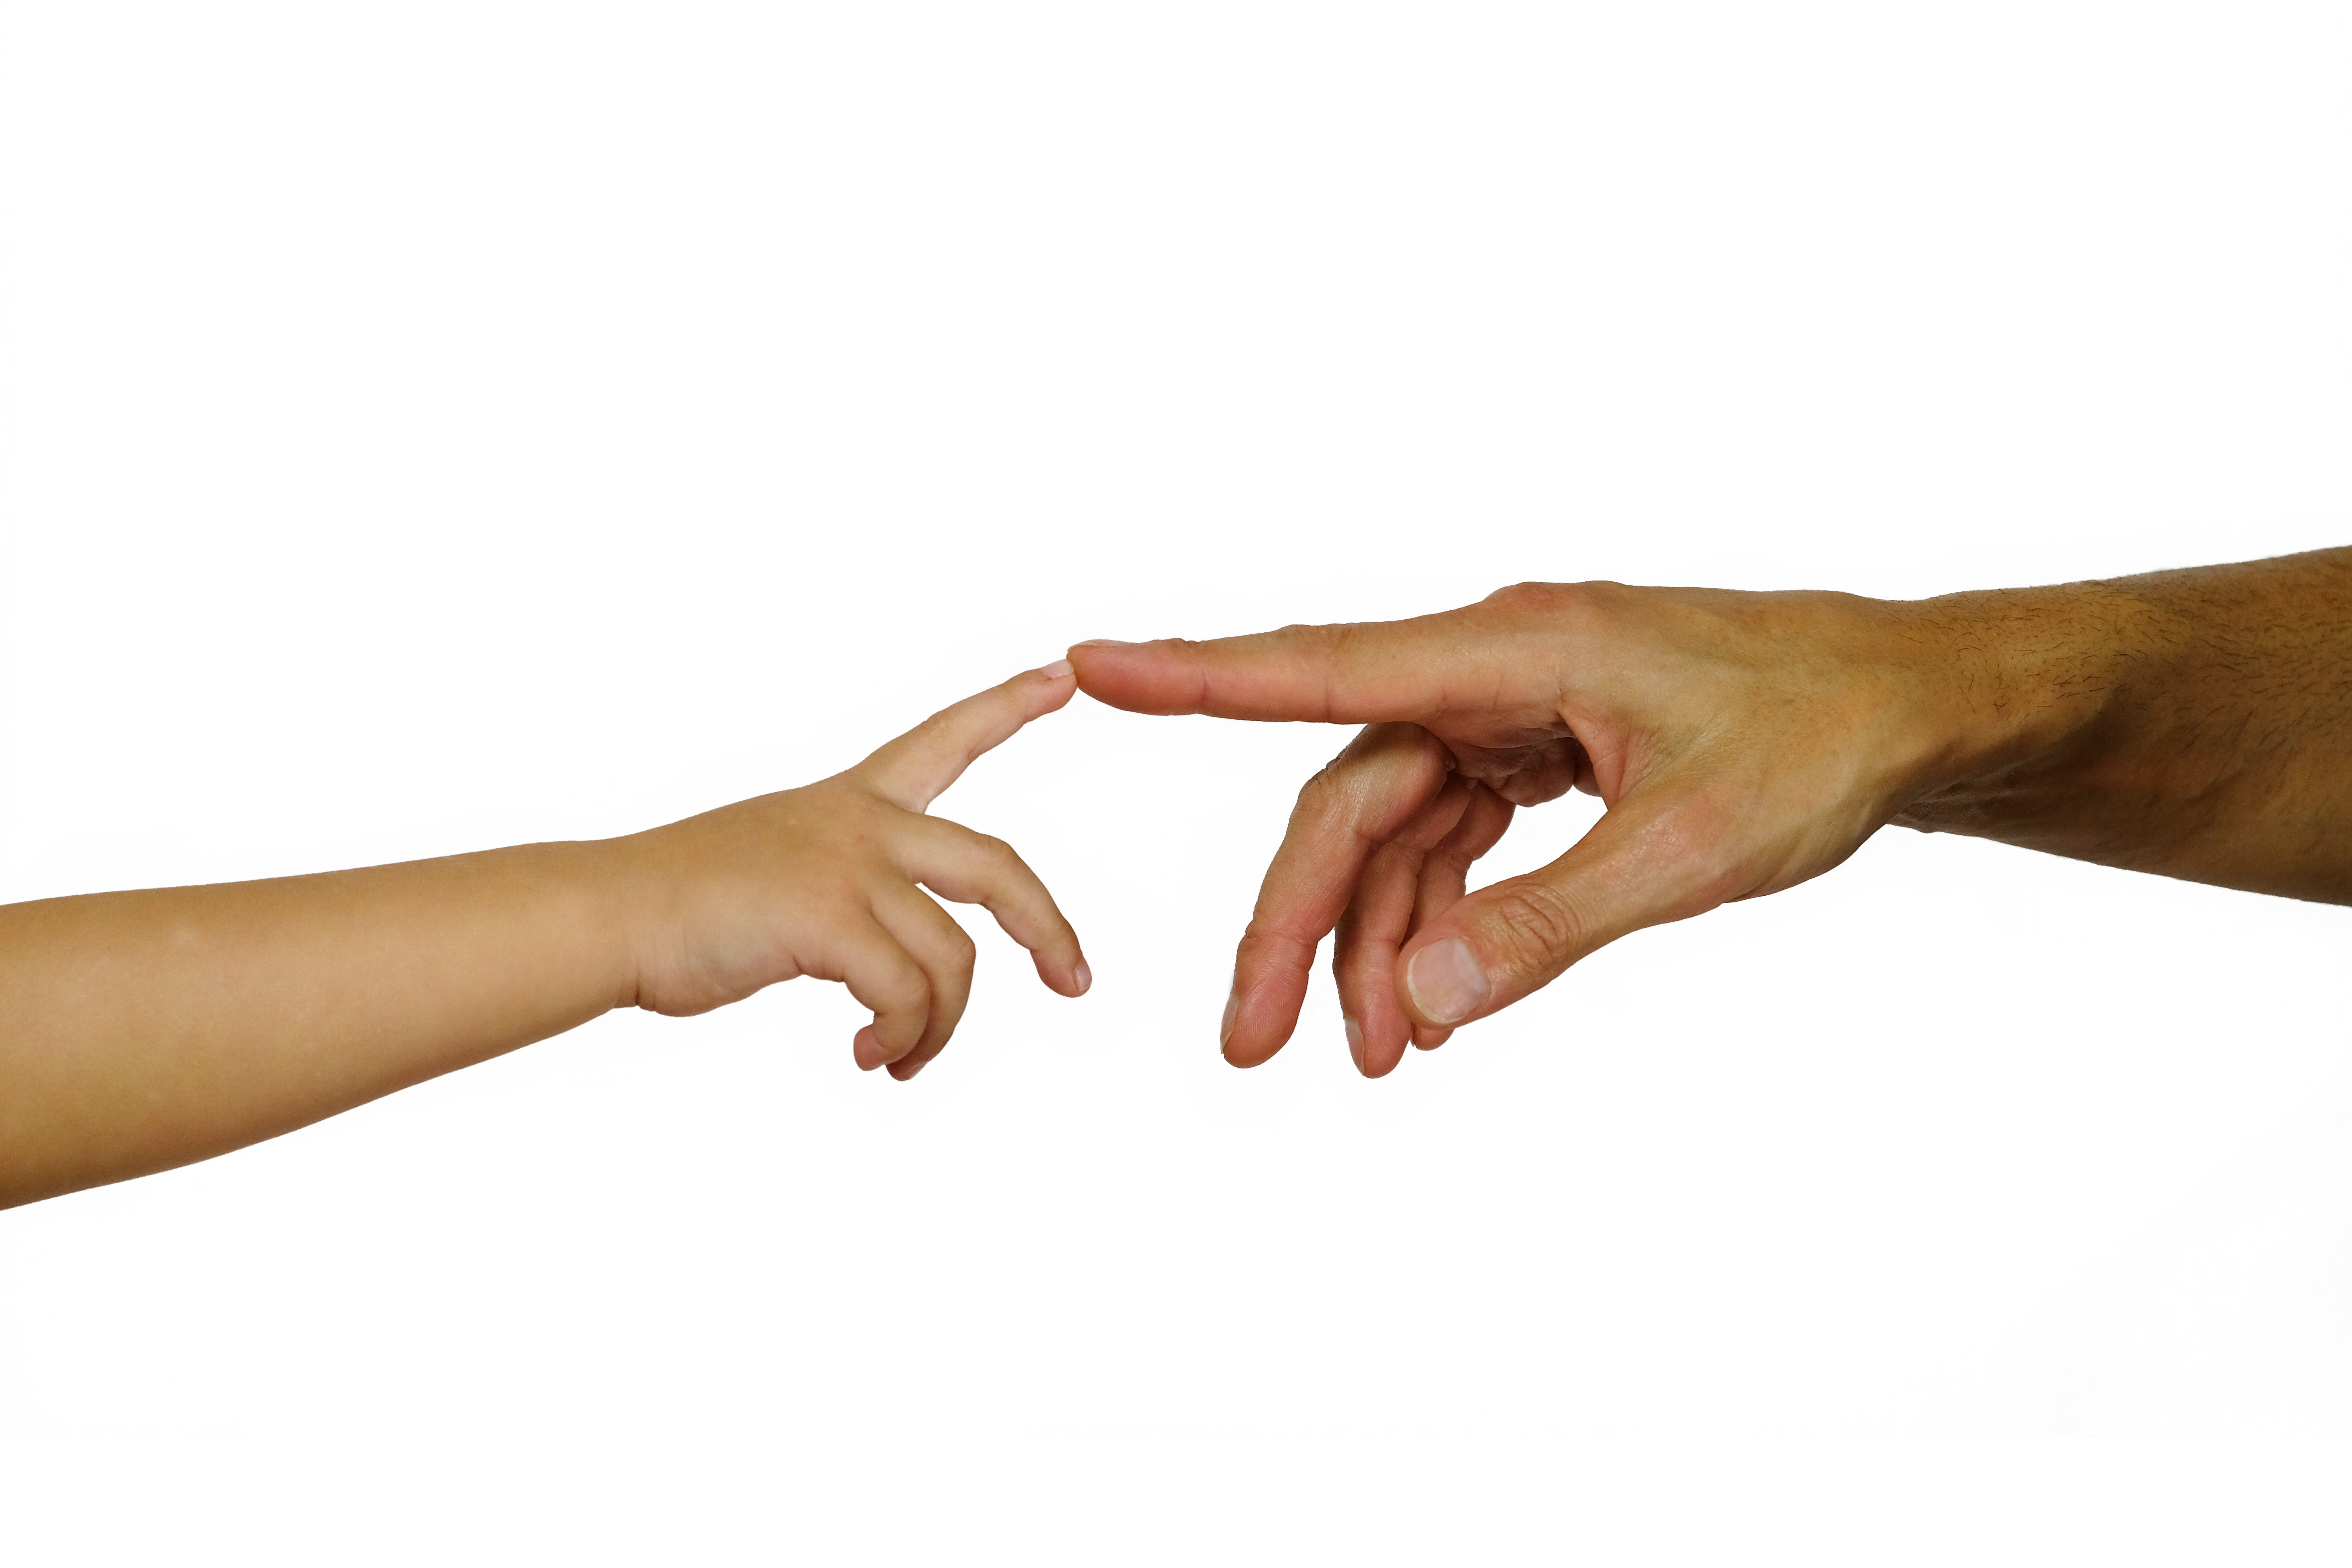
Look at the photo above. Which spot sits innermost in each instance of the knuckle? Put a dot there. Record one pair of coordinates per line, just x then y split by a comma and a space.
1532, 926
1317, 792
1265, 944
1531, 597
1451, 860
907, 989
1382, 760
864, 818
1552, 603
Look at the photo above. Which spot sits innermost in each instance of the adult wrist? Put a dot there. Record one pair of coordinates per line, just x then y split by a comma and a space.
2018, 680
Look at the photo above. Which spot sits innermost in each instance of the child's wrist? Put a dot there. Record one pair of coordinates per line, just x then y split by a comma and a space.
607, 881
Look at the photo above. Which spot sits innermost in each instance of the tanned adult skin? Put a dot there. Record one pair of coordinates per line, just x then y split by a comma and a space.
2194, 723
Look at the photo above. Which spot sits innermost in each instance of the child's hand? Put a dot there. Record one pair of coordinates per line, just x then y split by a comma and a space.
821, 880
143, 1029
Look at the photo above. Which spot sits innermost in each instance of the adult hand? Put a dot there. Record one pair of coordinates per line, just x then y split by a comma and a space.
1742, 742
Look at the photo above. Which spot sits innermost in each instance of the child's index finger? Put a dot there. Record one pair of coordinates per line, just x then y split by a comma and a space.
917, 768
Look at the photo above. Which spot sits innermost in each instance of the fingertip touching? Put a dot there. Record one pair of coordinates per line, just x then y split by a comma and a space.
1048, 687
1141, 678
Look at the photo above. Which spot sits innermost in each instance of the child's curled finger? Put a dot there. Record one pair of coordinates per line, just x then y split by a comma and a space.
886, 981
941, 947
969, 867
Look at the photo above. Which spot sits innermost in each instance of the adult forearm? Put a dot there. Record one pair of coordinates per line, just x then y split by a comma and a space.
142, 1030
2195, 724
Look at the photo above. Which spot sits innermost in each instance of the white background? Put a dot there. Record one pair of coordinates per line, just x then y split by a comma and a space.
446, 425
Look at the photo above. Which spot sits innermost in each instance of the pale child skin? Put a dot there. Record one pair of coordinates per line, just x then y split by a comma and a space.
142, 1030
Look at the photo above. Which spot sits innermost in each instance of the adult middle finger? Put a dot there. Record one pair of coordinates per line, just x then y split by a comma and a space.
1362, 798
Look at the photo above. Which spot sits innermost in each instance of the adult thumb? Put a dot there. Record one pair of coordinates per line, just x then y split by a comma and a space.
1646, 862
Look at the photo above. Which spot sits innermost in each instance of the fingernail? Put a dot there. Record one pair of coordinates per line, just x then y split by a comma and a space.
1103, 642
1055, 670
1233, 1011
1445, 981
1355, 1042
1083, 977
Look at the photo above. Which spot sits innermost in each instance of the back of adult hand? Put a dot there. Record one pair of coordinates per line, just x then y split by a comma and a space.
1742, 743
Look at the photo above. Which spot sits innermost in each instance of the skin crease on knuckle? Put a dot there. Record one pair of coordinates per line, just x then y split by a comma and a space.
1381, 783
1530, 928
1006, 869
961, 953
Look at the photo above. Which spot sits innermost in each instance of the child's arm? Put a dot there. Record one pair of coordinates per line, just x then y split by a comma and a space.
142, 1030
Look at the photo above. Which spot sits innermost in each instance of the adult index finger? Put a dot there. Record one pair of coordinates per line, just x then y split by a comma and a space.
917, 768
1352, 673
